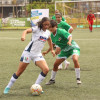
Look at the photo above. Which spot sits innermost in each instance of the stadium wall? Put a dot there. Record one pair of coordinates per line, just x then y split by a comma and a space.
15, 23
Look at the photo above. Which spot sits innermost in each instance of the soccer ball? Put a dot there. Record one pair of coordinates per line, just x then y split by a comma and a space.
36, 89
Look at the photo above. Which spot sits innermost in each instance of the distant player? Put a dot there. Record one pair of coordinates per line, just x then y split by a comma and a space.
90, 19
54, 17
63, 25
40, 35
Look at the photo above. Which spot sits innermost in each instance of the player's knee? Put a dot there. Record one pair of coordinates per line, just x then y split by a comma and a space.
57, 51
46, 70
55, 68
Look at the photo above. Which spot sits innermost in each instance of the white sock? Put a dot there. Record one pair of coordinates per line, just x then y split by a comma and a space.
53, 75
66, 62
77, 72
11, 82
60, 65
40, 78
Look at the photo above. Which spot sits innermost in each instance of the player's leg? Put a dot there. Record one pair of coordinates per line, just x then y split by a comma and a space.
66, 64
60, 66
57, 51
41, 63
75, 57
22, 67
91, 26
54, 71
24, 61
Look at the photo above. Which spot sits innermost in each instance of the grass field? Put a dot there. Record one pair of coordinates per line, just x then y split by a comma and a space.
65, 87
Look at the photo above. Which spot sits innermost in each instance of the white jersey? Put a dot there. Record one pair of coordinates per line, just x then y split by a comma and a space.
38, 40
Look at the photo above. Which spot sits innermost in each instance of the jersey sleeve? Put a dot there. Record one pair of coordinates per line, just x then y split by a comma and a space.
65, 34
53, 17
67, 26
88, 17
63, 19
34, 29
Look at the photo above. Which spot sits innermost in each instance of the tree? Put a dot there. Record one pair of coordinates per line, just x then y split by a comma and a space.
41, 5
30, 1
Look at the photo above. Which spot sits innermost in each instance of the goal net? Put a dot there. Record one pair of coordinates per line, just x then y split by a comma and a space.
76, 12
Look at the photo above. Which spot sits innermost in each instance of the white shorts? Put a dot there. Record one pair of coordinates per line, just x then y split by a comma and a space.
26, 57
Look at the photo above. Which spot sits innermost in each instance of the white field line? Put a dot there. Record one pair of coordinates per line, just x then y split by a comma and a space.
86, 39
8, 38
13, 38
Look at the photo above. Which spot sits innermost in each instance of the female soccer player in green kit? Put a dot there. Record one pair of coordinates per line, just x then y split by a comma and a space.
63, 25
54, 17
63, 39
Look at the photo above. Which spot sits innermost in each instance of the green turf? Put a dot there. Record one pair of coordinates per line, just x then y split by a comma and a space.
65, 88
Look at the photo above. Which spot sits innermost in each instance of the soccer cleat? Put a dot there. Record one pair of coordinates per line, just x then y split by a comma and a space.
6, 91
66, 65
50, 82
78, 82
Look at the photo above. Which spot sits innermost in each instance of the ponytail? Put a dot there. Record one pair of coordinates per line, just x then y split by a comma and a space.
40, 23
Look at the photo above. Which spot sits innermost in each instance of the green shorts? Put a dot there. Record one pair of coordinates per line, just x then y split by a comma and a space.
66, 54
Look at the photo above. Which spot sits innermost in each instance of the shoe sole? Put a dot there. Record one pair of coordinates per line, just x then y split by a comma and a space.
49, 83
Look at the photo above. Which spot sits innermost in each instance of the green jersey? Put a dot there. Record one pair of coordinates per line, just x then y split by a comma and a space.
61, 38
54, 18
64, 25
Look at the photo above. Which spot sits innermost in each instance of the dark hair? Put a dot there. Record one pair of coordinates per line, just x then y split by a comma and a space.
40, 23
59, 14
57, 10
53, 23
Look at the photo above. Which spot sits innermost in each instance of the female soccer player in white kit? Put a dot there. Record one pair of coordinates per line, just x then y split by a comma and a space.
33, 52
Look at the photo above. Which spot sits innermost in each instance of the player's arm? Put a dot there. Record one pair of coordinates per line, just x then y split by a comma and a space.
70, 40
50, 47
88, 18
70, 29
24, 33
67, 35
57, 50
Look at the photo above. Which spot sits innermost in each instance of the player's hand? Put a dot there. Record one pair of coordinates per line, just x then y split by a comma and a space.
44, 53
22, 39
53, 53
69, 43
